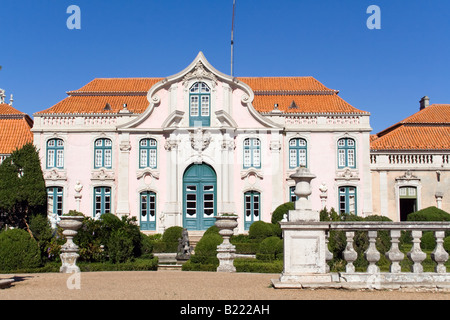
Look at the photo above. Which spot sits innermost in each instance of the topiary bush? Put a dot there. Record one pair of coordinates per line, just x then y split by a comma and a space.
260, 230
205, 257
206, 249
270, 249
280, 211
429, 214
18, 251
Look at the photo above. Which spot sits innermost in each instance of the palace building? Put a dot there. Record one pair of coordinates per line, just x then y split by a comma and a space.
180, 150
410, 163
15, 128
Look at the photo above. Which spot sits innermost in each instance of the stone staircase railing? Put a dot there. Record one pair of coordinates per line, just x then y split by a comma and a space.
372, 278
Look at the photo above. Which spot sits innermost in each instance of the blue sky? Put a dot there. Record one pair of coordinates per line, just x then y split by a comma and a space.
385, 71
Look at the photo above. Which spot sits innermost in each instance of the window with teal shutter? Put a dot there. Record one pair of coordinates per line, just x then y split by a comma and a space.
347, 200
103, 153
297, 153
148, 210
252, 208
199, 105
346, 153
55, 200
102, 200
252, 153
148, 153
55, 153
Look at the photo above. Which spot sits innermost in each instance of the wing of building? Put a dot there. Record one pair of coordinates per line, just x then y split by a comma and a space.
410, 163
182, 149
15, 128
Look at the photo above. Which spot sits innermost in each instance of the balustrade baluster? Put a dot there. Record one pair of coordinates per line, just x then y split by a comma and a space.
416, 254
439, 255
328, 254
394, 254
350, 254
371, 254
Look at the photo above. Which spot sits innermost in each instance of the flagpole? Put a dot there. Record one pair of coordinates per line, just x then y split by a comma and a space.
232, 38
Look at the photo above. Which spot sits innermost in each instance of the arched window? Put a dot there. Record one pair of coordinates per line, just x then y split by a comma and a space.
252, 153
55, 201
346, 153
103, 153
199, 105
55, 153
102, 200
297, 153
148, 153
347, 200
252, 208
148, 210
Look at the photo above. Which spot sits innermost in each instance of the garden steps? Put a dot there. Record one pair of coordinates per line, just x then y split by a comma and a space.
194, 237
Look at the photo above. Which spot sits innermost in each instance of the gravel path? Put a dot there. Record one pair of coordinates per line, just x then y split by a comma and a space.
178, 285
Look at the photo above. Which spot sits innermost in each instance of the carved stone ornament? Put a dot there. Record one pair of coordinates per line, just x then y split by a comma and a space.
199, 73
200, 140
147, 172
347, 174
125, 146
55, 175
407, 176
171, 144
102, 175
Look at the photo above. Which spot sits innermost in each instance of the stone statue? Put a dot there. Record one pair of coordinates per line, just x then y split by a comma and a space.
184, 248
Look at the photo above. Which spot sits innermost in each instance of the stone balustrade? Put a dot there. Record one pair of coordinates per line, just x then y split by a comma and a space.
306, 250
372, 277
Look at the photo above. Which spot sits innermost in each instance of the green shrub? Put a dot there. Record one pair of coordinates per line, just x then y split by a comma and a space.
206, 249
429, 214
147, 244
428, 241
447, 244
257, 266
42, 232
269, 249
260, 230
212, 229
280, 211
172, 234
120, 246
18, 250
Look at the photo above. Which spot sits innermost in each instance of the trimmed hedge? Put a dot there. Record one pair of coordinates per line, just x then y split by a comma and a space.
18, 251
429, 214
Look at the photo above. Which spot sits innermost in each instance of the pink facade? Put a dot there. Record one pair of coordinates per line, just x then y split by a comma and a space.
248, 148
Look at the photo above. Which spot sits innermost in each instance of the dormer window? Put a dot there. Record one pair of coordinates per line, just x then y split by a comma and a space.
199, 105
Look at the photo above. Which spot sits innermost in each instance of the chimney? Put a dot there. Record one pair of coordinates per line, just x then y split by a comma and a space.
424, 102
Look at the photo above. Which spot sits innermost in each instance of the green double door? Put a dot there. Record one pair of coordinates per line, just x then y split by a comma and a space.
199, 197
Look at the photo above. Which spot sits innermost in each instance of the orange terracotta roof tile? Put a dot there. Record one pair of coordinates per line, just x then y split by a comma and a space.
414, 137
14, 129
435, 113
7, 109
284, 84
118, 85
98, 104
304, 104
309, 95
427, 129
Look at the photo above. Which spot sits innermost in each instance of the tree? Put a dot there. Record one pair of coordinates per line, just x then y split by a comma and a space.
22, 188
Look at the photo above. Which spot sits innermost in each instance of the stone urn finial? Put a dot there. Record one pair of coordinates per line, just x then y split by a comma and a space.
69, 251
302, 178
226, 251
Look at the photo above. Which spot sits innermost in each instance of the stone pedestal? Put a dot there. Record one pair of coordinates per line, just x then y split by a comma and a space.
69, 251
226, 251
305, 244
